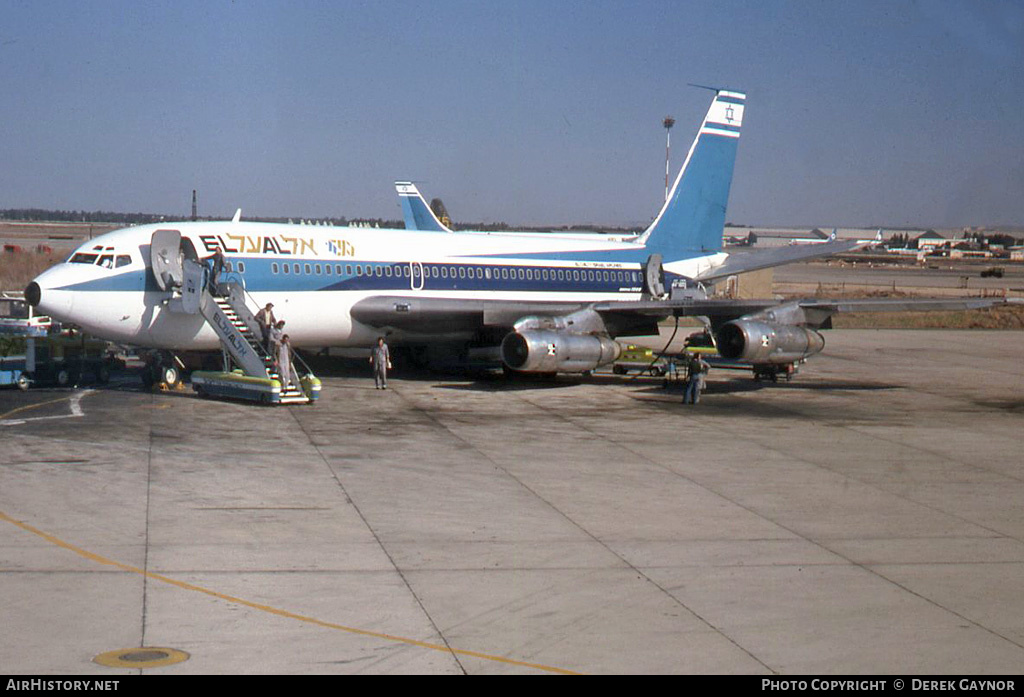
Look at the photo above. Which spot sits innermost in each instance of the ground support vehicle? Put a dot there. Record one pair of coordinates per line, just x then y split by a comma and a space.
641, 359
66, 358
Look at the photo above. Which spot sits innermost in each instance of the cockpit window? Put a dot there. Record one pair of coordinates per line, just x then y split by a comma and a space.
107, 259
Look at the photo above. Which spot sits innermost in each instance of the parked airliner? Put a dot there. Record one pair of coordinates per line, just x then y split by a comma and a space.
543, 303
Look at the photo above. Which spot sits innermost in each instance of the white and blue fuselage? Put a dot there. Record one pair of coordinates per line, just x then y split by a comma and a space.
315, 275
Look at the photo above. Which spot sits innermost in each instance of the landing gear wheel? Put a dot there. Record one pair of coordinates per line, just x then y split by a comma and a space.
63, 377
170, 376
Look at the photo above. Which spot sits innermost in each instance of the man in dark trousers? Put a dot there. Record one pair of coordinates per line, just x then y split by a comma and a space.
696, 369
217, 263
380, 359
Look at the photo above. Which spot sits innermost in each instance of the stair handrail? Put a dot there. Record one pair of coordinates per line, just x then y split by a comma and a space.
295, 352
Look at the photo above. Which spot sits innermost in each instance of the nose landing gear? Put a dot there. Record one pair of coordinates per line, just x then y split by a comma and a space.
163, 370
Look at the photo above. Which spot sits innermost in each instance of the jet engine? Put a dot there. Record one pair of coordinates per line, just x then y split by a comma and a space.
756, 342
552, 351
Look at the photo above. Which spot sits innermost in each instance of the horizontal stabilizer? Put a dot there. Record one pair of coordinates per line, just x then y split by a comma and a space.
741, 262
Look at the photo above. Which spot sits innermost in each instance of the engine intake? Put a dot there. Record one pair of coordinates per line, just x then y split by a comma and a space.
547, 351
760, 342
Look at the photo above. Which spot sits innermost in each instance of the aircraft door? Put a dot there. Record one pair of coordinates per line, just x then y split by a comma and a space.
654, 277
188, 250
416, 278
192, 286
165, 258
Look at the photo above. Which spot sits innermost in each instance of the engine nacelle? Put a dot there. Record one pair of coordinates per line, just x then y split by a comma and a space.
759, 342
548, 351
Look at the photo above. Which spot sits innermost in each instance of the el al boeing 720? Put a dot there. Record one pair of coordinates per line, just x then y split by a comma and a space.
537, 303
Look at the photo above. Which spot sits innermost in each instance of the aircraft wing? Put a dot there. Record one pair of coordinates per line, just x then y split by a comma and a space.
429, 315
418, 315
442, 315
752, 260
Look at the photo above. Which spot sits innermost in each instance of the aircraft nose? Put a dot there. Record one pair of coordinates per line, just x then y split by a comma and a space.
33, 294
47, 298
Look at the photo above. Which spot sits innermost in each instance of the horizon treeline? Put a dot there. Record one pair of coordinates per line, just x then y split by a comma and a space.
105, 217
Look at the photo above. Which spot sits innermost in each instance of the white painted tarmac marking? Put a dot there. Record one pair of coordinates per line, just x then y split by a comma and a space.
76, 411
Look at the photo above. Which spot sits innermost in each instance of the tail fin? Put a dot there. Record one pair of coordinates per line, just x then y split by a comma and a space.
415, 210
693, 217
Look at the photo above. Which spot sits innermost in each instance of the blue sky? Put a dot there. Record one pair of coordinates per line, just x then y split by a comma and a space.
859, 113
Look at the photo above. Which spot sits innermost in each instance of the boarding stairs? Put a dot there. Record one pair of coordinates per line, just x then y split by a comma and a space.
240, 337
250, 369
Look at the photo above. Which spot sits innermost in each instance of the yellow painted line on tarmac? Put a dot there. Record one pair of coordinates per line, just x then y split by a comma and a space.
273, 610
33, 406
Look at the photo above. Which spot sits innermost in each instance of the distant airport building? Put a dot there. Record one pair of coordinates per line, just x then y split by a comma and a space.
781, 237
961, 253
772, 237
930, 241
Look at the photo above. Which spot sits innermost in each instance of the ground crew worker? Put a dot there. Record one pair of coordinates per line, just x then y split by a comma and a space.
380, 359
696, 369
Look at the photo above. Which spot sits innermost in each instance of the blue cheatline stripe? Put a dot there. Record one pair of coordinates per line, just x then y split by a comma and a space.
354, 274
478, 277
730, 100
260, 277
127, 281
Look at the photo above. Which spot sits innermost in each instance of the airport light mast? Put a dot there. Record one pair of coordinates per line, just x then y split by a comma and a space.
668, 123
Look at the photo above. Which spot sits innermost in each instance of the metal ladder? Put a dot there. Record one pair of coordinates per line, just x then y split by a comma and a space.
290, 392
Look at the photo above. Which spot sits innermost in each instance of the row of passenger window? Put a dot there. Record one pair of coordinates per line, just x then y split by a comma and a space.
473, 272
402, 270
